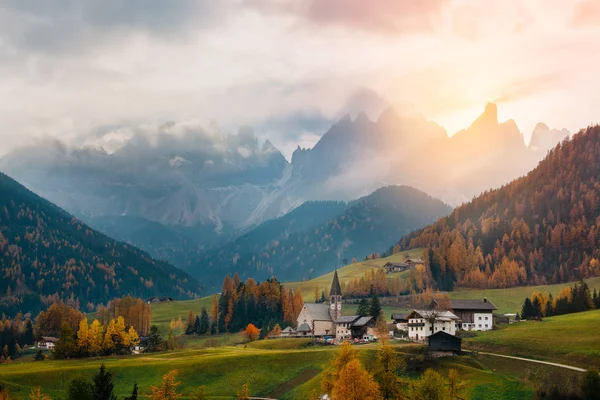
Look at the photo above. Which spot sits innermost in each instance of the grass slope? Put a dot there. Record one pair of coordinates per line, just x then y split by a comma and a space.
347, 273
284, 369
572, 339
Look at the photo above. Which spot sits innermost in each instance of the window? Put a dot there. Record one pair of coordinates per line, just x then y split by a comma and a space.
444, 328
486, 318
480, 325
480, 318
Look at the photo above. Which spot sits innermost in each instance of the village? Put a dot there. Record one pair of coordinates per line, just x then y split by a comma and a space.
436, 325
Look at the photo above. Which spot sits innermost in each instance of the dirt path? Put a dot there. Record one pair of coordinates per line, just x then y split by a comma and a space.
303, 377
531, 360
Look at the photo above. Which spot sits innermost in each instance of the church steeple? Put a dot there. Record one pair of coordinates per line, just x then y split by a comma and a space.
335, 298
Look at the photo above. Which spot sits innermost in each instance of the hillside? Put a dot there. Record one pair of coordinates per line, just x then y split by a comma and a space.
541, 228
364, 226
47, 255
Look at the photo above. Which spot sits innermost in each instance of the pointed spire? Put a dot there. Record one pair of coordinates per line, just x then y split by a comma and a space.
336, 289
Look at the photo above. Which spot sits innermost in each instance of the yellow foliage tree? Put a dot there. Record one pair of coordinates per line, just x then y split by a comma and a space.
276, 330
96, 336
167, 389
108, 344
132, 338
83, 336
37, 394
355, 383
431, 386
244, 394
345, 354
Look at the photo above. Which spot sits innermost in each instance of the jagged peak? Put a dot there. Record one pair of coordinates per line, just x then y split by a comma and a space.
489, 117
362, 118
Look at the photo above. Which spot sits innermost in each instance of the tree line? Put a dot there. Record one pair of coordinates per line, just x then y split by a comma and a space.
570, 299
14, 335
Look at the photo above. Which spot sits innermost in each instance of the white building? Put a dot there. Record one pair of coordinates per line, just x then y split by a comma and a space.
474, 315
423, 323
47, 342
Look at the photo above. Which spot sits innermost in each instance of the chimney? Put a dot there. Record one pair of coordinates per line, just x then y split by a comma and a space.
485, 299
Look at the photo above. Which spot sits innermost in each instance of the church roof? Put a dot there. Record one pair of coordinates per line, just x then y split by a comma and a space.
318, 312
304, 328
336, 289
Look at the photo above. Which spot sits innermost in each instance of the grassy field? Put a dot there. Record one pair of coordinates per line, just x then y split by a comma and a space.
572, 339
348, 272
510, 300
283, 369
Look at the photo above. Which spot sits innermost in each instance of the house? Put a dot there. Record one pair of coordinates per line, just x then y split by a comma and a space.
442, 343
474, 315
289, 331
411, 262
395, 267
354, 327
400, 321
47, 342
424, 323
156, 299
305, 330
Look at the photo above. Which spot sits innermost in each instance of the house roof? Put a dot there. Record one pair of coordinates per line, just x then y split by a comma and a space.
362, 321
483, 304
289, 329
49, 339
395, 264
347, 319
336, 289
319, 312
398, 317
440, 315
414, 260
304, 328
445, 335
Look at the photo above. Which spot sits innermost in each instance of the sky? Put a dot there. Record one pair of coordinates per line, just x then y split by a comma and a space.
82, 70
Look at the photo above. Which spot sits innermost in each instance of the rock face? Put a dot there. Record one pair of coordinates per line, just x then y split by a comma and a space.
543, 138
207, 188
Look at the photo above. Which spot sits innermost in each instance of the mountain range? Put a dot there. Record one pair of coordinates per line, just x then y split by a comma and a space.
47, 255
178, 189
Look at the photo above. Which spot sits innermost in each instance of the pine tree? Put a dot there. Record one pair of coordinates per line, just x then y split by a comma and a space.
134, 393
204, 322
375, 308
363, 307
103, 385
28, 337
527, 311
65, 346
189, 323
80, 389
388, 366
355, 383
196, 329
537, 307
154, 341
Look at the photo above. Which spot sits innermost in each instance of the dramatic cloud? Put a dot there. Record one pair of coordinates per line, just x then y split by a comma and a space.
384, 16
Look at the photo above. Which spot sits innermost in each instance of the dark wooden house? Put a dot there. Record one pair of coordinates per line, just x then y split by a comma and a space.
444, 343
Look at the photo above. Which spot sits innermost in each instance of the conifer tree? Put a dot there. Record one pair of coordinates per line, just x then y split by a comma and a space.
204, 322
355, 383
65, 346
37, 394
167, 389
83, 337
154, 342
134, 393
96, 337
189, 323
79, 389
103, 385
363, 307
375, 308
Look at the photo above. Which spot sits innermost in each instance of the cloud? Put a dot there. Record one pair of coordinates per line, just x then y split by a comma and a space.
527, 87
587, 13
380, 16
74, 25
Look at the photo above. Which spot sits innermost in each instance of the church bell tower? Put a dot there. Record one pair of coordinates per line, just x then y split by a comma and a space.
335, 298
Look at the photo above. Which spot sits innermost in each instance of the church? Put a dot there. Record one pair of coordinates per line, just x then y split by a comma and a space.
320, 320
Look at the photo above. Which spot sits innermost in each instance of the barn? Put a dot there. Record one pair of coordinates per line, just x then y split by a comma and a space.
442, 343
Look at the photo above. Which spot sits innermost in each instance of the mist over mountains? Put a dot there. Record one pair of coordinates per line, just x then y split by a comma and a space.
183, 186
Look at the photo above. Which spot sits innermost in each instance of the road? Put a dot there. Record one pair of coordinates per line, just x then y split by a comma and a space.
534, 361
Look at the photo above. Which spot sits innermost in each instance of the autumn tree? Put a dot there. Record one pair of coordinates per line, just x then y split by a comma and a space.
244, 393
189, 323
354, 383
95, 337
201, 393
83, 336
37, 394
276, 330
167, 389
430, 386
65, 345
387, 368
251, 332
456, 387
344, 355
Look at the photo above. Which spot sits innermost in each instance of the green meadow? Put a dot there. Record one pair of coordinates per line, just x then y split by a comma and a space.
282, 369
571, 339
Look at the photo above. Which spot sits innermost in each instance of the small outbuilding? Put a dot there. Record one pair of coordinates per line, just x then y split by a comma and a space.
47, 342
304, 330
442, 343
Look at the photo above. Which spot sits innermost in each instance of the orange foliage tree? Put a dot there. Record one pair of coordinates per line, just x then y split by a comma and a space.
251, 332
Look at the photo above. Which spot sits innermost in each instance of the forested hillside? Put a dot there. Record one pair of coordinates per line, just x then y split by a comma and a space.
47, 255
542, 228
297, 247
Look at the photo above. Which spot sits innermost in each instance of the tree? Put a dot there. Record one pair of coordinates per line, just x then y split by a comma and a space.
345, 354
39, 356
189, 323
456, 387
251, 332
65, 345
204, 322
154, 342
537, 307
167, 389
134, 393
244, 393
28, 338
83, 337
79, 389
103, 385
96, 337
590, 386
431, 386
132, 338
276, 330
200, 394
36, 394
355, 383
527, 311
387, 367
375, 308
363, 307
